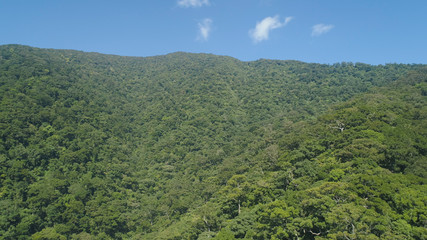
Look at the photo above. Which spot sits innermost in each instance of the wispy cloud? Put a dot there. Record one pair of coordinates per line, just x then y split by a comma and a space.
205, 27
288, 19
192, 3
262, 29
320, 29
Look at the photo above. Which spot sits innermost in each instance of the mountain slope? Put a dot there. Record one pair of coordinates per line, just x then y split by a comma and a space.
101, 146
336, 177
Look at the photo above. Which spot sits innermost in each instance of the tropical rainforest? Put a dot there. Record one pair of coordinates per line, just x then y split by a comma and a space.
199, 146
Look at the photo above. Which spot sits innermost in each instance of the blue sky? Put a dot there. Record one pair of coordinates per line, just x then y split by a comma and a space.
323, 31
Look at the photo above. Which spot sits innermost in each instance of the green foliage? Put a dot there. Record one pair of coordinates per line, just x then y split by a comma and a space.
197, 146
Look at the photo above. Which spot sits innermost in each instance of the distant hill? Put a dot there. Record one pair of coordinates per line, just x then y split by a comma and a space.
199, 146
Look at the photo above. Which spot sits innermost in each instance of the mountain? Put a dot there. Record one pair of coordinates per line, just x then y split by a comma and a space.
199, 146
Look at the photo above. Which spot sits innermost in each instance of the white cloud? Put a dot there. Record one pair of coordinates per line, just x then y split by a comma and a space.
263, 28
288, 19
205, 27
320, 29
192, 3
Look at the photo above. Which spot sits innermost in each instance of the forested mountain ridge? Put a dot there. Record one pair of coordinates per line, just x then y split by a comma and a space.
194, 146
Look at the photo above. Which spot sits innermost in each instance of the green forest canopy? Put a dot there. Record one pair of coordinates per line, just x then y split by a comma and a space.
198, 146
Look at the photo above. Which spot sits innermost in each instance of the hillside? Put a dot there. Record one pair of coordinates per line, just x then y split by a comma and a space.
195, 146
